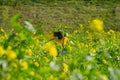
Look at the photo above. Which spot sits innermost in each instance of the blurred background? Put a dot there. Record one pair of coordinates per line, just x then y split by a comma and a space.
47, 15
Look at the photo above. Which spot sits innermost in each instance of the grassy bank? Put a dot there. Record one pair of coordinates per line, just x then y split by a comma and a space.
47, 15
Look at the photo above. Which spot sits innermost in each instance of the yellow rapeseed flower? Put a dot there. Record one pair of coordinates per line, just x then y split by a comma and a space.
97, 25
51, 77
29, 51
9, 48
110, 32
24, 65
11, 55
2, 51
53, 51
51, 48
65, 66
34, 33
93, 50
36, 64
32, 73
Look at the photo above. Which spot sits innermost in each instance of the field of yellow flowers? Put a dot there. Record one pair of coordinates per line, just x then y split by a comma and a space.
85, 54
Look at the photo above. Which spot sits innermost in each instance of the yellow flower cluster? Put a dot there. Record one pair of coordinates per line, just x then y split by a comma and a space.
65, 66
24, 65
29, 51
110, 32
32, 73
36, 64
93, 50
2, 51
10, 54
51, 48
96, 25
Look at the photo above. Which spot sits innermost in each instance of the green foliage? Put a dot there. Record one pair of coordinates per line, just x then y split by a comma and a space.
87, 55
14, 22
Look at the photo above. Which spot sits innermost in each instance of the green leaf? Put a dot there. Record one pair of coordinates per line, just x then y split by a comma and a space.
14, 22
